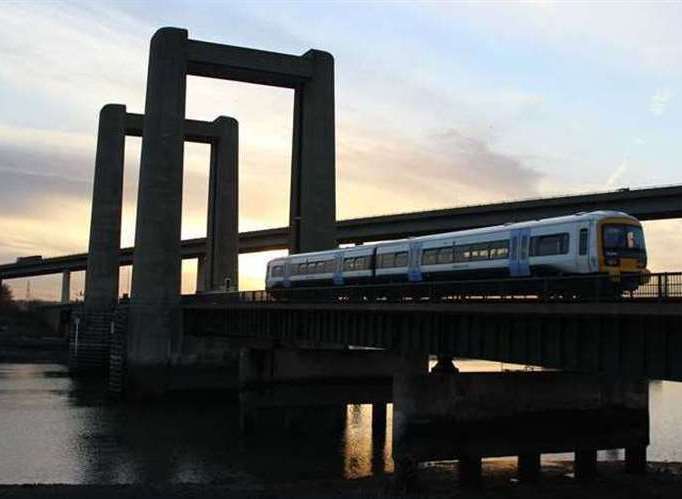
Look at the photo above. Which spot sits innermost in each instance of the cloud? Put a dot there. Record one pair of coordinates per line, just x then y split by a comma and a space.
398, 174
618, 173
659, 101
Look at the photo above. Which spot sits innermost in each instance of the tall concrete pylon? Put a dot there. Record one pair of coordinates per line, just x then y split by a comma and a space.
154, 309
102, 274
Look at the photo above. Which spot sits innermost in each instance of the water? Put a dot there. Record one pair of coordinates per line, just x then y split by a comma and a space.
56, 430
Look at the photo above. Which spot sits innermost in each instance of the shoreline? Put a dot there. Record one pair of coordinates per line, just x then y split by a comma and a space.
663, 481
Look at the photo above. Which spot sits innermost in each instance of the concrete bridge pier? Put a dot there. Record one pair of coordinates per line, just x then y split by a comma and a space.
471, 416
201, 274
303, 378
154, 306
66, 286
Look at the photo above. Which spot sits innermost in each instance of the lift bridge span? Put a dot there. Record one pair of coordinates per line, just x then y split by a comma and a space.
630, 335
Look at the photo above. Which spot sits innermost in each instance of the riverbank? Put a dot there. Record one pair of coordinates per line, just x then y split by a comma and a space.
33, 350
663, 481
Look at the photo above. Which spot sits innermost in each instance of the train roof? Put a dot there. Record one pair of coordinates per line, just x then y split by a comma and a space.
581, 216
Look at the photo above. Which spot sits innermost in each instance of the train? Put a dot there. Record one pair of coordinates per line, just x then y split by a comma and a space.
597, 242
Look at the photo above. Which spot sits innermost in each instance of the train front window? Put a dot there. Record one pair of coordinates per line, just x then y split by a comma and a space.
623, 239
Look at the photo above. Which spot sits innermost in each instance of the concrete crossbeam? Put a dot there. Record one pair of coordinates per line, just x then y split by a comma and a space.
214, 60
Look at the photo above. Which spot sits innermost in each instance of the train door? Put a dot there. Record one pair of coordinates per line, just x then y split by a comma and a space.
286, 281
414, 273
582, 254
338, 273
518, 258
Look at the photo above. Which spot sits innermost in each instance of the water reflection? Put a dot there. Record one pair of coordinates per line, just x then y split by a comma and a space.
55, 429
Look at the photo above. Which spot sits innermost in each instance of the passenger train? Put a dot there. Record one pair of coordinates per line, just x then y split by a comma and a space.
598, 242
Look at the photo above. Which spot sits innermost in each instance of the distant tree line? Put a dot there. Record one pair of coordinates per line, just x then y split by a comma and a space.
6, 299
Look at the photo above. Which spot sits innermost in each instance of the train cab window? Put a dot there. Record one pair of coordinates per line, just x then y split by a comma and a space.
582, 246
277, 271
430, 257
349, 264
400, 259
445, 255
554, 244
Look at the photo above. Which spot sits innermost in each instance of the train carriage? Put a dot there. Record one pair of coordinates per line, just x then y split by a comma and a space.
598, 242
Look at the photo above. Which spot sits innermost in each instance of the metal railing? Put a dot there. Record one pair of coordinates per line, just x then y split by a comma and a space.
600, 288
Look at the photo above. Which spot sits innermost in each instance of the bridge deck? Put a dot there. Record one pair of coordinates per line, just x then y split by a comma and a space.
629, 336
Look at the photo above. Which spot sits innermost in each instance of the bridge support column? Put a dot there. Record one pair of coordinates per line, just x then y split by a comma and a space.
154, 306
586, 464
66, 286
378, 436
469, 469
528, 465
312, 205
201, 274
222, 240
101, 277
635, 460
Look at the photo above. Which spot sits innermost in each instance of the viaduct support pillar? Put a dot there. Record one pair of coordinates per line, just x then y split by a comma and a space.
222, 234
312, 207
154, 308
66, 286
201, 274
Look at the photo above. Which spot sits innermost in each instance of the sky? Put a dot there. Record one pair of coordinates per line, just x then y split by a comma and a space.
438, 104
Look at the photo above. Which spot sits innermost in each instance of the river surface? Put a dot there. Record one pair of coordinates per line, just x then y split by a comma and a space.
54, 429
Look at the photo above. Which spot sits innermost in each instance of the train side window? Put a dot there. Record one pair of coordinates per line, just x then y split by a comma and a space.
302, 267
361, 263
554, 244
387, 260
524, 247
429, 257
400, 259
515, 240
445, 255
499, 250
461, 253
582, 249
348, 264
479, 252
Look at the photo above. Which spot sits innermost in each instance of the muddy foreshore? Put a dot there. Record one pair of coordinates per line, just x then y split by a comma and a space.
663, 481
